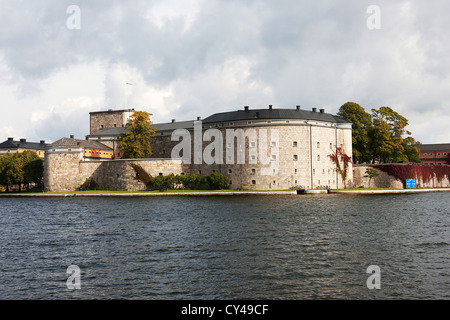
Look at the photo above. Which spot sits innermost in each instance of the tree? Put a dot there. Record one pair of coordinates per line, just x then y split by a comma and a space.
17, 169
337, 156
135, 143
371, 173
361, 124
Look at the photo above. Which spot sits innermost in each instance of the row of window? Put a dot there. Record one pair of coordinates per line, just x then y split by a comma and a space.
274, 144
445, 153
253, 171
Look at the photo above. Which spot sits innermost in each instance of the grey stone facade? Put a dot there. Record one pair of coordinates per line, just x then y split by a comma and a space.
297, 147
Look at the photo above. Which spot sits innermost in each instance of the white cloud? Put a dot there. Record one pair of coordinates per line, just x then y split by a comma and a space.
189, 58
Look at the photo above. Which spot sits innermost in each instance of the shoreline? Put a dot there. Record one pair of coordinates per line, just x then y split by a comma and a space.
219, 193
390, 191
147, 194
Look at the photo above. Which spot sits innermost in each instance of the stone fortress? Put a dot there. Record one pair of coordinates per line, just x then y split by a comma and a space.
258, 149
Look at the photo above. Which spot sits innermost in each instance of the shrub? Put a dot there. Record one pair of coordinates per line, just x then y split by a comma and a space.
89, 184
218, 181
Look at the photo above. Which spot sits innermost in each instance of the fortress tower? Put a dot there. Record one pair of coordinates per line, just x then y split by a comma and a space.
101, 120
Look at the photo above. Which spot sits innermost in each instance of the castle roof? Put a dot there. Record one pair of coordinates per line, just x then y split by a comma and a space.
22, 144
87, 144
254, 114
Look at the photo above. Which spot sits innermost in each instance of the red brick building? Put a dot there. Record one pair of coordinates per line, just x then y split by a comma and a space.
434, 154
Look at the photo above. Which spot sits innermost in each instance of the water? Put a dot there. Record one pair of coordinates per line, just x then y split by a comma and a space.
237, 247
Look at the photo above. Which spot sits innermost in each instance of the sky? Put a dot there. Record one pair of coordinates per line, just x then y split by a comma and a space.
60, 60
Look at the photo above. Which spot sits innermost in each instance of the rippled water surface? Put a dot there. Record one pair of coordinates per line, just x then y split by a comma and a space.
227, 247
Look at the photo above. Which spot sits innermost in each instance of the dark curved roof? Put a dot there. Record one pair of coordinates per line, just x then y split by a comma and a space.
254, 114
12, 144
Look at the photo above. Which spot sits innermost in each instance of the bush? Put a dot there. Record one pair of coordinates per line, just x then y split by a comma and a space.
89, 184
218, 181
162, 183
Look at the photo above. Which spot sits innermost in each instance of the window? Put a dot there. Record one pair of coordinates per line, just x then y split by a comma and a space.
274, 157
249, 122
318, 158
439, 154
318, 144
269, 121
424, 154
431, 154
231, 182
253, 171
252, 144
253, 181
295, 157
160, 174
230, 171
274, 144
295, 182
331, 146
295, 170
294, 144
253, 157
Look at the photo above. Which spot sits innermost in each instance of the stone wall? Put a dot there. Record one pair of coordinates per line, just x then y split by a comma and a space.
302, 155
108, 119
64, 171
385, 180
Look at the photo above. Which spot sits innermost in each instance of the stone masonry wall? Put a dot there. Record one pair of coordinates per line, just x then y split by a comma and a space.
301, 157
387, 181
67, 172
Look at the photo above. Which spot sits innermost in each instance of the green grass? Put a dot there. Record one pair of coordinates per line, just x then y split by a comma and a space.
144, 192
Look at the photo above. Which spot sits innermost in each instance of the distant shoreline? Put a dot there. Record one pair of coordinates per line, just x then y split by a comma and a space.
215, 193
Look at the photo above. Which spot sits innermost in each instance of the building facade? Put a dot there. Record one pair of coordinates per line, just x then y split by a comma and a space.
258, 149
434, 154
13, 146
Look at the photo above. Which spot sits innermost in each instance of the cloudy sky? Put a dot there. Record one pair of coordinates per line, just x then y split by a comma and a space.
189, 58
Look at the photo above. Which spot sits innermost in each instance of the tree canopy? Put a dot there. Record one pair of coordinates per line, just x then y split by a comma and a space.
17, 169
135, 143
380, 136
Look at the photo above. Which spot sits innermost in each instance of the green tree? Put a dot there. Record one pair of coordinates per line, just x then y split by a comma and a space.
135, 143
33, 169
371, 173
17, 169
386, 137
361, 124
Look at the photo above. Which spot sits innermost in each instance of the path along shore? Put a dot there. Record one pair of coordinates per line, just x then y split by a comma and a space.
219, 193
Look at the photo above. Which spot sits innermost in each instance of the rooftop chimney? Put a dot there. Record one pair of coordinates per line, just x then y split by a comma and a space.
23, 140
174, 120
72, 136
322, 110
246, 108
10, 139
270, 107
298, 107
42, 142
199, 118
314, 109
